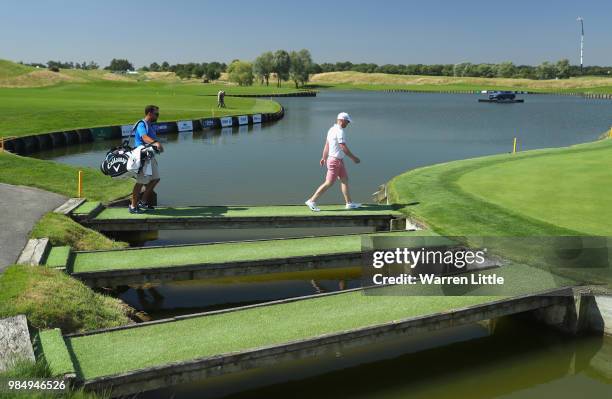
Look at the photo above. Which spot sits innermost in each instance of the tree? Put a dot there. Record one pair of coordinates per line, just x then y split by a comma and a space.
154, 67
213, 70
282, 63
263, 66
241, 72
299, 67
563, 69
546, 70
120, 65
505, 70
165, 67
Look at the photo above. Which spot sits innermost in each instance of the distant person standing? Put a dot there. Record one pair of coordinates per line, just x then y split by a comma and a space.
144, 133
221, 99
333, 157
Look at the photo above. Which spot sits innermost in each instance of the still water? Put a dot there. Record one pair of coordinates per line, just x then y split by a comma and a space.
279, 163
506, 358
391, 133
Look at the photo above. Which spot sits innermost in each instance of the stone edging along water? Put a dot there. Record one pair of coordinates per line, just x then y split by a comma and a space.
43, 141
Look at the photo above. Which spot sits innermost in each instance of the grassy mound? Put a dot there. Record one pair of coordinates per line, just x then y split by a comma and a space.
9, 69
52, 299
62, 231
384, 81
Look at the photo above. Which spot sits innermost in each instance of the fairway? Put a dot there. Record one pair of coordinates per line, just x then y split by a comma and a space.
547, 192
69, 106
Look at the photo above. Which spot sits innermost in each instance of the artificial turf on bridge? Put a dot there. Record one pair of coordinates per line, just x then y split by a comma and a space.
109, 353
129, 266
235, 216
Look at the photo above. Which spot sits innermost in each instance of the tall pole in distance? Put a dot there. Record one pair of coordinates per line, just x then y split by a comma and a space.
579, 19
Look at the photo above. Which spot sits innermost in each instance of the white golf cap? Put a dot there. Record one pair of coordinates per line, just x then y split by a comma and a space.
344, 116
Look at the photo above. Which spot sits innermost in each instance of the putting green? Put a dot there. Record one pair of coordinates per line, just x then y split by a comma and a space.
568, 189
220, 253
246, 211
551, 192
121, 351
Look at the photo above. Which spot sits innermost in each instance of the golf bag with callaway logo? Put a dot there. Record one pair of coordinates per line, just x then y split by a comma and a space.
124, 161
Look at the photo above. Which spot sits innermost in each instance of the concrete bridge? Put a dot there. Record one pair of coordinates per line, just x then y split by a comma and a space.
98, 217
152, 355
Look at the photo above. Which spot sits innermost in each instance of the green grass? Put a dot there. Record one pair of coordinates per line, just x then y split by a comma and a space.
51, 299
246, 211
62, 230
100, 103
51, 345
271, 325
26, 370
58, 256
60, 178
539, 193
219, 253
569, 189
9, 69
86, 208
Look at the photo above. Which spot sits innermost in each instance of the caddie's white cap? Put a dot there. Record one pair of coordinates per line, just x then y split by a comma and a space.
344, 116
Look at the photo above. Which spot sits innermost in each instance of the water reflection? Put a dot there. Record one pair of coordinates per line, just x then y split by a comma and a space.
195, 296
509, 358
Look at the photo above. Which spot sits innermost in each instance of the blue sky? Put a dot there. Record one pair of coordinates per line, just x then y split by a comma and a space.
426, 31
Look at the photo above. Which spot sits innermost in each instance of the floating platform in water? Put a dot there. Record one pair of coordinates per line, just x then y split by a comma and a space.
487, 100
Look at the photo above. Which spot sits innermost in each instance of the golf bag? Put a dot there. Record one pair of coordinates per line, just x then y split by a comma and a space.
115, 164
124, 161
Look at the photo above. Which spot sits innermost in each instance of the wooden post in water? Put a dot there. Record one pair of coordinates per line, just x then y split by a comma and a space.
80, 185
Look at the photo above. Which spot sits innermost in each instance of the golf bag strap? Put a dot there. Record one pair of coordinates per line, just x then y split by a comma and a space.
133, 133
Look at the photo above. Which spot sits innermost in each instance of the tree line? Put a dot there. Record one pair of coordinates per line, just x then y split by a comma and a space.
561, 69
297, 66
57, 65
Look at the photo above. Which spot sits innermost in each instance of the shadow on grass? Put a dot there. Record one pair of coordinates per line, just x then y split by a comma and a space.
205, 211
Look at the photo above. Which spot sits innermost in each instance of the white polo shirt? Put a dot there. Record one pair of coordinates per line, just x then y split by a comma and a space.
335, 137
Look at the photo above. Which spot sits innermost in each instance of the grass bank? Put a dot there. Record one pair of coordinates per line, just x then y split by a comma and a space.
60, 178
63, 231
381, 81
41, 370
51, 299
547, 192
